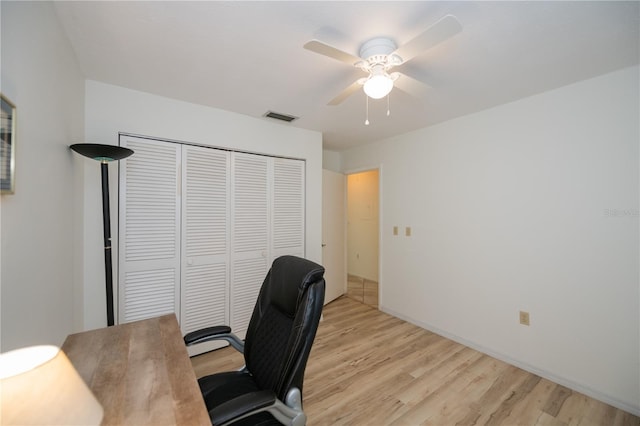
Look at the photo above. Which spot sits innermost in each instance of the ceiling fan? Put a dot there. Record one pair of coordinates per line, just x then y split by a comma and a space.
380, 54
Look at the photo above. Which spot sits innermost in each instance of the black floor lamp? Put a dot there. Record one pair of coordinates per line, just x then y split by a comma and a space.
104, 154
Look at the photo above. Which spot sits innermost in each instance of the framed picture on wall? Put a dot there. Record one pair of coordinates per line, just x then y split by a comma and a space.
7, 145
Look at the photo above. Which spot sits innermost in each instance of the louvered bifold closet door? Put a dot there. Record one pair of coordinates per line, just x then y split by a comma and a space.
249, 235
288, 207
206, 235
149, 237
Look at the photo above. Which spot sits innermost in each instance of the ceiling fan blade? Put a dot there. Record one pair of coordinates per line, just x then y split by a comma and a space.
333, 52
445, 28
410, 85
346, 93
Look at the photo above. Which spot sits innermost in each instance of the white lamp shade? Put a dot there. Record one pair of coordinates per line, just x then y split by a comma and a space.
39, 386
378, 86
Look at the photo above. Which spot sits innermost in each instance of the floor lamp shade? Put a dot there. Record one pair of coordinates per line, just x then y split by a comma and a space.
39, 386
104, 154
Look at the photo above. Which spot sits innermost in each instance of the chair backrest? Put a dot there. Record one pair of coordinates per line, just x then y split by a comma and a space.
284, 324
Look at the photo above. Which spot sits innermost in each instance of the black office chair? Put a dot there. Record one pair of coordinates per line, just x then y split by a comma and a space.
268, 390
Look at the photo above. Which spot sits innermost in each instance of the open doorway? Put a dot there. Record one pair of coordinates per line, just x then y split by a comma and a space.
362, 236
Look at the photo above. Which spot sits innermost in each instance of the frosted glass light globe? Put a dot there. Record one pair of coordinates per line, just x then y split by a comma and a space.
378, 86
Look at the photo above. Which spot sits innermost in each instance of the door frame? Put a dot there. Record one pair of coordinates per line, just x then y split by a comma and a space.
378, 167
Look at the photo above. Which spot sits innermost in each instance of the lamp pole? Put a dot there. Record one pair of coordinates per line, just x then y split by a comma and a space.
106, 233
105, 154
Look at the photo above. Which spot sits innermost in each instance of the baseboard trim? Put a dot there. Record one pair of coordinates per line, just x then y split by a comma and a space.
607, 399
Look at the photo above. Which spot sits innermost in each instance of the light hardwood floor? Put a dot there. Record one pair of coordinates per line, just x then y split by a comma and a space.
369, 368
363, 290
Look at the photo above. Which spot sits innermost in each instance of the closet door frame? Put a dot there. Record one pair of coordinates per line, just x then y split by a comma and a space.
267, 252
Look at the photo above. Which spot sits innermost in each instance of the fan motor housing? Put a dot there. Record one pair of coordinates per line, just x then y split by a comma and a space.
380, 46
378, 52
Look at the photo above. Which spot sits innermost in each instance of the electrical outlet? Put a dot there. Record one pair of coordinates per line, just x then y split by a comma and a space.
524, 318
395, 230
407, 231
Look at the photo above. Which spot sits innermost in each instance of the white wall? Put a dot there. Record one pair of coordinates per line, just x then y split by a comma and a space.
528, 206
41, 77
332, 160
111, 109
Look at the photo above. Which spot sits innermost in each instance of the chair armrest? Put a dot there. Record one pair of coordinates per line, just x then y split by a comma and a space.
241, 406
195, 336
220, 332
255, 402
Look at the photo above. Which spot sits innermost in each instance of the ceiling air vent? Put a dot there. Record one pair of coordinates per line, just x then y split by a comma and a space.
281, 117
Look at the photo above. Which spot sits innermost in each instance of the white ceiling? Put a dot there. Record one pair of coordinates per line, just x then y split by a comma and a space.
248, 57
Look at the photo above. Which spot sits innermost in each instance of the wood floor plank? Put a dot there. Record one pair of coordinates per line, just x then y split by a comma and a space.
528, 410
556, 399
369, 368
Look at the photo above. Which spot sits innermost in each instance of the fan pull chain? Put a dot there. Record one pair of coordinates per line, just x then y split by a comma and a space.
388, 108
366, 121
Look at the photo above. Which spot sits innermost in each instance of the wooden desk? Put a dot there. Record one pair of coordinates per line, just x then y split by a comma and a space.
140, 372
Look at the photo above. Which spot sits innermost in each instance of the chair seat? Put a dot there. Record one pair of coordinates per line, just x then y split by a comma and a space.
219, 388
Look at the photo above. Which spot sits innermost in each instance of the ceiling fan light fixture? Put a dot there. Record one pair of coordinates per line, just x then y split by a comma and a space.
378, 86
379, 55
